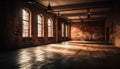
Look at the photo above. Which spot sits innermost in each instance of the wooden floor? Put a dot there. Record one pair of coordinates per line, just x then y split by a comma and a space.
65, 55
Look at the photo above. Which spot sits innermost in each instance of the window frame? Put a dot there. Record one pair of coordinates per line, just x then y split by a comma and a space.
66, 30
26, 30
41, 26
63, 30
50, 27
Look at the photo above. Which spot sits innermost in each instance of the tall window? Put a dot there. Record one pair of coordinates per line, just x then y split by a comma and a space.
40, 26
66, 28
62, 30
50, 27
26, 26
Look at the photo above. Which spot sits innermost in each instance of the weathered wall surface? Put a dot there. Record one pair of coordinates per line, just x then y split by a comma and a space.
90, 31
11, 25
60, 21
113, 25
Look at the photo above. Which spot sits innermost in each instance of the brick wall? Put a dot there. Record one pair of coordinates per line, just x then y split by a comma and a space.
88, 31
113, 23
11, 25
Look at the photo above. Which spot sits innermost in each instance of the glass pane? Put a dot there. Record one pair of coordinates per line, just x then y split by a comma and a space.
40, 26
23, 34
50, 28
25, 15
49, 22
63, 29
26, 23
49, 34
26, 34
66, 31
39, 18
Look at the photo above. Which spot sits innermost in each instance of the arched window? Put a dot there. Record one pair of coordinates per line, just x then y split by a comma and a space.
26, 23
50, 27
40, 25
66, 28
62, 29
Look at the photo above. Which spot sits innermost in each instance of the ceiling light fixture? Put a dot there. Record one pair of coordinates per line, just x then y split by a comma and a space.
32, 1
49, 8
88, 13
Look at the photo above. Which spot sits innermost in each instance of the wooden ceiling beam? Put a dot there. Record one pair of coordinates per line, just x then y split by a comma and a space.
87, 20
100, 4
83, 14
93, 18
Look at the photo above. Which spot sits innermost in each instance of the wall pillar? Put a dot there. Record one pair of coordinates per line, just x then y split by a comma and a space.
56, 27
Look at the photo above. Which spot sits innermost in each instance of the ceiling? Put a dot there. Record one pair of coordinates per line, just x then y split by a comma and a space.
75, 10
